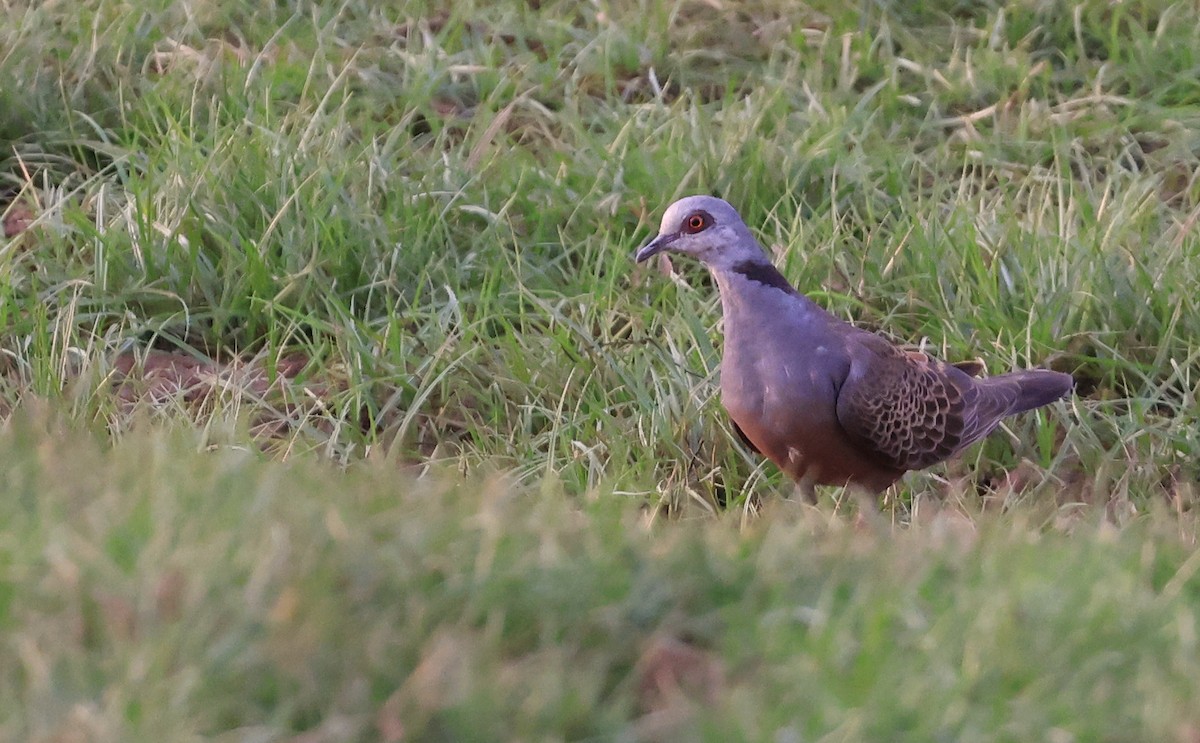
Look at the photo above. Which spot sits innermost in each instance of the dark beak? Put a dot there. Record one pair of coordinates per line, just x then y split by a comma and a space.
654, 247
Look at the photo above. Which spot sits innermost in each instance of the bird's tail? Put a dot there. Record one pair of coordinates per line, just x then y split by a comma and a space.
1030, 389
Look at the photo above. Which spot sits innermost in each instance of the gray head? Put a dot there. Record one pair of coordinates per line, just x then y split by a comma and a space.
707, 229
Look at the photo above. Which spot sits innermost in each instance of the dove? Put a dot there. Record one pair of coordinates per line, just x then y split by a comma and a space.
827, 402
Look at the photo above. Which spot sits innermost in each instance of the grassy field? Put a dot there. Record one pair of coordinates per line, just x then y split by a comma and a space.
334, 407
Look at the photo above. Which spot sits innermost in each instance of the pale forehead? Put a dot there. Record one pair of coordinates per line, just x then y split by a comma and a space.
720, 211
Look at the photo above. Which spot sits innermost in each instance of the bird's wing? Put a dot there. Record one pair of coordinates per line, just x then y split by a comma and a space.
909, 410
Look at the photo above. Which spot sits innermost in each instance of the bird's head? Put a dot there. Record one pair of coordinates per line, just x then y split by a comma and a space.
705, 228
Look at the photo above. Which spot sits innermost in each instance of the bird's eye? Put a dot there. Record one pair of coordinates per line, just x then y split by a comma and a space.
695, 223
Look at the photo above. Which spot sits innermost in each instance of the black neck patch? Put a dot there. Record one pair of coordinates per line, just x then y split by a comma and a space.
764, 273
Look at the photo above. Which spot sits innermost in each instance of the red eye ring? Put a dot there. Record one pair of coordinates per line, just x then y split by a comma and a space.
695, 223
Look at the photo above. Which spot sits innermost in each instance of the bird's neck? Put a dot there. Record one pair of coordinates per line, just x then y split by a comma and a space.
756, 288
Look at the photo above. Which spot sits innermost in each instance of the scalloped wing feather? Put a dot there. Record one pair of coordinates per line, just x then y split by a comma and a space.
912, 411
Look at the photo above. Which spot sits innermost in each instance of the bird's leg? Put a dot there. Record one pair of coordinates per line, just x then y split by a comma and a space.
868, 506
805, 490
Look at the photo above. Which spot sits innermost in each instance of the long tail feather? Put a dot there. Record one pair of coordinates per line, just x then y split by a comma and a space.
1031, 389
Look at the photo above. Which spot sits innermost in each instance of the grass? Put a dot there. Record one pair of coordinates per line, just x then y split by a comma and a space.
156, 592
395, 240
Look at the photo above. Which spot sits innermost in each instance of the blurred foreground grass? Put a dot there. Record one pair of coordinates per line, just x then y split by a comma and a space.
166, 590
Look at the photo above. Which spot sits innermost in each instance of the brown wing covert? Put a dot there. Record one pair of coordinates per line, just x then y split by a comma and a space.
909, 412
